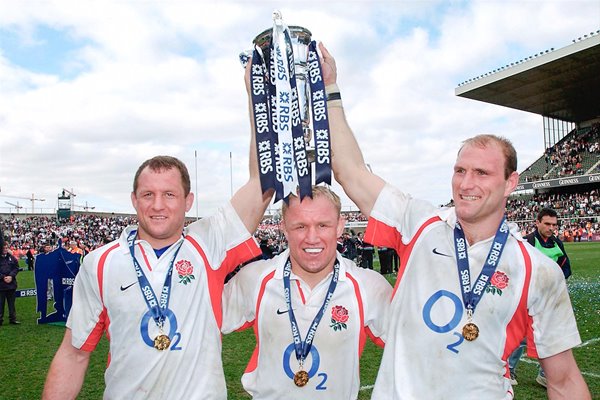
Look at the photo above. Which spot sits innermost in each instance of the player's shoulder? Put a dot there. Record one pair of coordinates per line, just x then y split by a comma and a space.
543, 268
94, 256
257, 270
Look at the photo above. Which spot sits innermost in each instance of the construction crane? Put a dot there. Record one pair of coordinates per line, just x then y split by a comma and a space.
16, 206
33, 199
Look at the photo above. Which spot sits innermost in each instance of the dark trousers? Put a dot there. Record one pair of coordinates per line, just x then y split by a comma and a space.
8, 296
367, 259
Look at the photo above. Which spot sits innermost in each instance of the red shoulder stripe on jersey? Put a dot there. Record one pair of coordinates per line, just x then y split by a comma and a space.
390, 237
100, 270
362, 337
253, 363
520, 323
241, 253
381, 234
102, 324
216, 278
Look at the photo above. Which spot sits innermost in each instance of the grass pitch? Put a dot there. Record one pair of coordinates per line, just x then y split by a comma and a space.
26, 350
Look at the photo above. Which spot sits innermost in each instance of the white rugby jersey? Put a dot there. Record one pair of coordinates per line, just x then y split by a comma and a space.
426, 356
107, 297
255, 298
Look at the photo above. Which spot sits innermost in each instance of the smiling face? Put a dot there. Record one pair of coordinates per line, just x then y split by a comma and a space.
479, 186
161, 204
312, 228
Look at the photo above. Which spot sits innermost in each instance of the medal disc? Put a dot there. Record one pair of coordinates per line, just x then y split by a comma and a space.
470, 331
301, 378
162, 342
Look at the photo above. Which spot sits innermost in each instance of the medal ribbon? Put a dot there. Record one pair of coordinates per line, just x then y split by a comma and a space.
472, 295
158, 307
302, 348
319, 117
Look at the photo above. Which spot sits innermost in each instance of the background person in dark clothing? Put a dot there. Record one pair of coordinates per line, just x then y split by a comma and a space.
543, 238
9, 267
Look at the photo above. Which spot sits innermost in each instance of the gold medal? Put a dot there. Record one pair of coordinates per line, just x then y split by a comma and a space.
162, 342
301, 378
470, 331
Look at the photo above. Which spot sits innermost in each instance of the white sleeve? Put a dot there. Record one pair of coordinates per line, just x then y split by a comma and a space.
87, 307
378, 295
239, 298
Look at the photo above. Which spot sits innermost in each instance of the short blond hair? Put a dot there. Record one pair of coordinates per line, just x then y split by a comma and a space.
318, 191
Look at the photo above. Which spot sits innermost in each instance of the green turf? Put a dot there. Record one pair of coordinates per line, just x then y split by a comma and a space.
26, 350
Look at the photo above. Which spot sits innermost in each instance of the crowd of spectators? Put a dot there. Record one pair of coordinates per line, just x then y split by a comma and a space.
567, 157
88, 231
567, 205
579, 214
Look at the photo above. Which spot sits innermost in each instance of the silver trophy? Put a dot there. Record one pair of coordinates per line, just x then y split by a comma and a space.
301, 38
289, 111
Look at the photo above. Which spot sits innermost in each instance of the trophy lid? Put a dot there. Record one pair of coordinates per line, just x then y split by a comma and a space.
298, 34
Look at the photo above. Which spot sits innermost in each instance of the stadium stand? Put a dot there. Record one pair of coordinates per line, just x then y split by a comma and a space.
562, 86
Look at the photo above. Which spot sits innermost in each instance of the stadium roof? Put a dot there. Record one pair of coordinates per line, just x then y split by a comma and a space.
563, 84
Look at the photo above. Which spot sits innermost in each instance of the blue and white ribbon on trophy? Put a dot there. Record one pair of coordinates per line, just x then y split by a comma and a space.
280, 143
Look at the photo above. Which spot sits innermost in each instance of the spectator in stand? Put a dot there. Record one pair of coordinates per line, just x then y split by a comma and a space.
9, 268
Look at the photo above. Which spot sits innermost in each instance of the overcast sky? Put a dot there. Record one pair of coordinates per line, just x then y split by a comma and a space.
90, 89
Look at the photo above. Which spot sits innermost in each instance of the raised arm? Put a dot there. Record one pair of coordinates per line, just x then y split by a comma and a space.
564, 378
349, 167
249, 201
67, 371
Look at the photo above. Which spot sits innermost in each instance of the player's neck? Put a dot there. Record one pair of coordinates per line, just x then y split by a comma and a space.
479, 231
312, 279
157, 243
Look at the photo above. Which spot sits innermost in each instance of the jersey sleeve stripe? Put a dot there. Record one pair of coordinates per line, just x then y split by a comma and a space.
102, 324
381, 234
520, 323
362, 338
239, 254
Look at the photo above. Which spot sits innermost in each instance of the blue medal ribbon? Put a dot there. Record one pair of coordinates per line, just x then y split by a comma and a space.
302, 347
158, 307
472, 295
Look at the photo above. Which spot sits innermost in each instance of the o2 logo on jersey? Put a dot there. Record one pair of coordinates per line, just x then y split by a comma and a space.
451, 323
314, 368
173, 334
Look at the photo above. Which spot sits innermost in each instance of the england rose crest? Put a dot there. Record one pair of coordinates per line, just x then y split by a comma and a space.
185, 271
498, 282
339, 317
